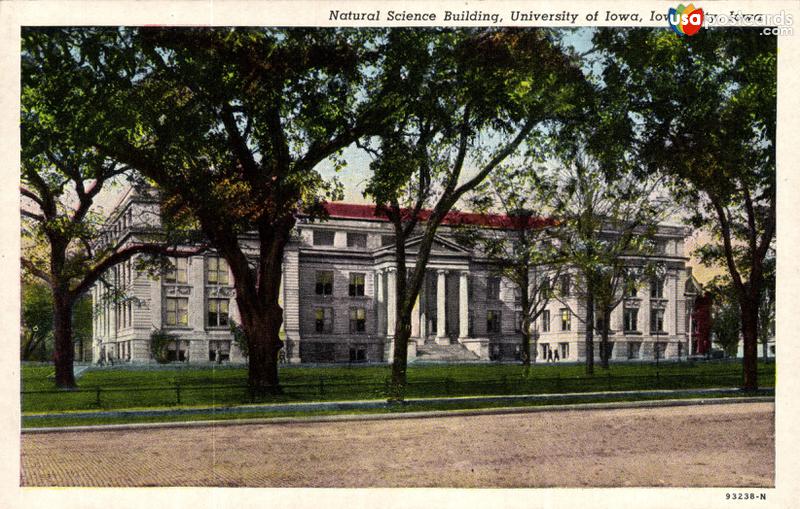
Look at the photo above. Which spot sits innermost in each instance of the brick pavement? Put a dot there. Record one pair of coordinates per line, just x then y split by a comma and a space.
720, 445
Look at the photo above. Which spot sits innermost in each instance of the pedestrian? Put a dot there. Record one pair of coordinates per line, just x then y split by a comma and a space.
555, 357
549, 354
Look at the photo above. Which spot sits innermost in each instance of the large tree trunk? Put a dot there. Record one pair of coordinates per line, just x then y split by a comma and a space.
589, 333
402, 334
524, 288
749, 309
257, 299
64, 353
604, 340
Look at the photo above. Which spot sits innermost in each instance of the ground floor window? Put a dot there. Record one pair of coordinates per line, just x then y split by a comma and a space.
680, 350
358, 353
219, 351
178, 351
659, 350
564, 350
633, 349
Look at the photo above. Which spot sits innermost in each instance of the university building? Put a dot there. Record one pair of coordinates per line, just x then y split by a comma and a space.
339, 300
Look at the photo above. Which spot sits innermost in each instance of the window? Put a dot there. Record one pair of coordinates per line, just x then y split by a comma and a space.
518, 321
323, 320
517, 295
357, 240
217, 312
356, 284
388, 240
177, 351
358, 353
177, 273
545, 350
633, 350
546, 320
358, 321
564, 285
177, 311
324, 284
216, 271
492, 321
566, 319
656, 320
630, 318
564, 348
657, 289
660, 247
323, 237
659, 350
219, 351
493, 288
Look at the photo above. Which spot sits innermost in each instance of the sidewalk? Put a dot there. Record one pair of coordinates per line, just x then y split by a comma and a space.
328, 406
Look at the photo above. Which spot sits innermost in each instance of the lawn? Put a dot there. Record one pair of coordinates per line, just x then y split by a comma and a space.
124, 387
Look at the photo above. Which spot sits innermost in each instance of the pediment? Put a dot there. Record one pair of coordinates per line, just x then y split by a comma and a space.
440, 245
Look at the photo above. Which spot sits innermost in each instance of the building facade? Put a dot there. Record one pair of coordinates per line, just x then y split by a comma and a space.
339, 300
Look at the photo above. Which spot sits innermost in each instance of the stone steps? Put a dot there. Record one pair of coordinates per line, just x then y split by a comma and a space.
454, 352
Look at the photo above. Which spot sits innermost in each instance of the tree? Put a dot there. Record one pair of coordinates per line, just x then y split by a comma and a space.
62, 176
37, 320
607, 225
702, 110
523, 250
725, 318
465, 101
231, 124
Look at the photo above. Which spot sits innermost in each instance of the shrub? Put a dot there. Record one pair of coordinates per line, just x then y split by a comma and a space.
159, 345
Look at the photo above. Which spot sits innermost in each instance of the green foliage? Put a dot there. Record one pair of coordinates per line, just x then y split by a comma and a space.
159, 345
37, 321
726, 324
239, 337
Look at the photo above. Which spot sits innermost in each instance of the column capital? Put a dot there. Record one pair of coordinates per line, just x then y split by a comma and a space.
391, 270
442, 271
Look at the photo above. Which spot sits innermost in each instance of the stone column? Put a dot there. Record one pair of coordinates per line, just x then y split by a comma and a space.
423, 309
463, 305
441, 312
671, 295
290, 280
391, 302
415, 330
381, 303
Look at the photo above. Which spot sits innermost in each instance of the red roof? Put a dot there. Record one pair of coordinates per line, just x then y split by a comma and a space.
358, 211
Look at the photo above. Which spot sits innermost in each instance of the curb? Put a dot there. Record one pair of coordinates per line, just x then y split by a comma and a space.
406, 415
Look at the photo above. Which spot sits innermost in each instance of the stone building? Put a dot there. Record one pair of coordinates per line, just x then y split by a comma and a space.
338, 299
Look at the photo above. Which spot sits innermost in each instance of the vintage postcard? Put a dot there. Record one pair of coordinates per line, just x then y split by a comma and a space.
399, 253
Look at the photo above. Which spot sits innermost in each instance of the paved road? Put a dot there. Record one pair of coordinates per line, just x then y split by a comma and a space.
719, 445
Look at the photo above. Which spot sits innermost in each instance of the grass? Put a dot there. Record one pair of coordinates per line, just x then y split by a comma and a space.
399, 409
124, 388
